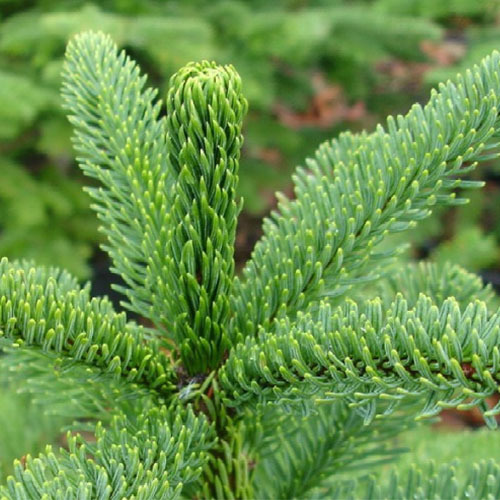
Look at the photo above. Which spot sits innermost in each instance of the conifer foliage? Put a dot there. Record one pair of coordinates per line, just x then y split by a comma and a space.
282, 382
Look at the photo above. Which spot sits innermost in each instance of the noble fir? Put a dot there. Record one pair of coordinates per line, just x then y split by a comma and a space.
292, 379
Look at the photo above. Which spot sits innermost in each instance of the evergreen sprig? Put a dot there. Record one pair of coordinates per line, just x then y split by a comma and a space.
205, 109
276, 384
152, 457
357, 189
46, 310
440, 356
120, 139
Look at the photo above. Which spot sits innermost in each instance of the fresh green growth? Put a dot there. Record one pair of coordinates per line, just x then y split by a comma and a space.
205, 111
290, 380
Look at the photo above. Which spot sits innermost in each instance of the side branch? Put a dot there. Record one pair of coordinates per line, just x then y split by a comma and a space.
357, 189
121, 143
153, 456
39, 310
433, 356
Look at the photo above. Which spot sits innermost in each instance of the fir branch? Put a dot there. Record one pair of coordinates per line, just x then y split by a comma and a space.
205, 111
360, 187
152, 457
436, 356
45, 310
121, 142
168, 207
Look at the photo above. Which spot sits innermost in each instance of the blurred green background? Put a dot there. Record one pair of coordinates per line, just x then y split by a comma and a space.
311, 68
